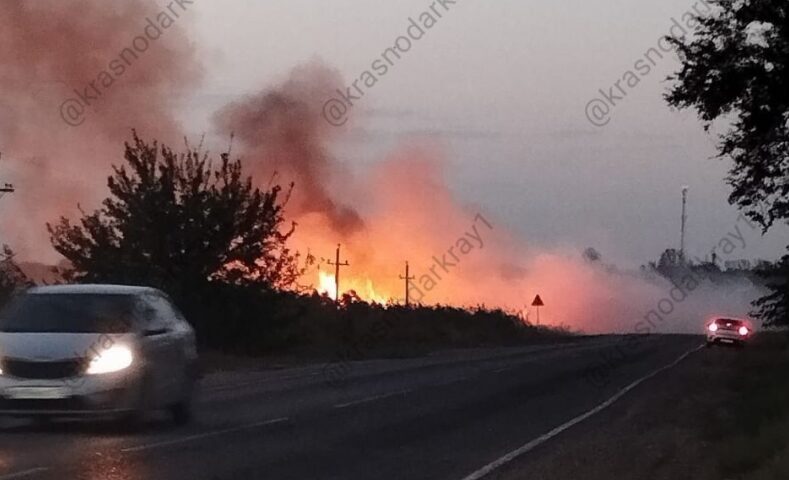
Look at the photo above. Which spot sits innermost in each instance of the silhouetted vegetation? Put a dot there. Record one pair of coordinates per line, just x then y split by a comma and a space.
11, 277
254, 323
775, 306
672, 266
218, 245
181, 223
735, 69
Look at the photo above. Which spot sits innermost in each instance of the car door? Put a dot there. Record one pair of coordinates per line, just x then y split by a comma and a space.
185, 337
170, 338
158, 339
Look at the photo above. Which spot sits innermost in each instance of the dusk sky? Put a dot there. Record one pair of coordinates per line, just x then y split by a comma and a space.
499, 87
503, 87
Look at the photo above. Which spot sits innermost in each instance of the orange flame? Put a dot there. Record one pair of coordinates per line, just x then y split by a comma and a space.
363, 288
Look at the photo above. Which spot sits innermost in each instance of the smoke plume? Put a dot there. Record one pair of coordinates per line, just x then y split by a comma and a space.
51, 51
282, 132
458, 254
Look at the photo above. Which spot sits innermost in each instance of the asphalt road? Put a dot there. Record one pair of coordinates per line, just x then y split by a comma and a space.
442, 417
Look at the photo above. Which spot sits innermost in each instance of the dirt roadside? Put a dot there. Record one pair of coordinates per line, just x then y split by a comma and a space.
721, 414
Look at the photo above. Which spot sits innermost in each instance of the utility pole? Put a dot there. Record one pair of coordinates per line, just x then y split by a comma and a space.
337, 266
6, 187
407, 279
684, 223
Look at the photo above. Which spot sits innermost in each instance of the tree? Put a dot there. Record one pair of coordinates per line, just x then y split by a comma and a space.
670, 259
591, 255
736, 70
775, 306
11, 277
179, 222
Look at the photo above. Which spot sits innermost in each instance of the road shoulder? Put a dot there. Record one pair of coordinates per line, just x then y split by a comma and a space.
720, 414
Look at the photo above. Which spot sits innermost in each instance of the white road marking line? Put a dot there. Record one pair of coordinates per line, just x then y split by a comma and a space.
26, 473
489, 468
192, 438
371, 399
501, 370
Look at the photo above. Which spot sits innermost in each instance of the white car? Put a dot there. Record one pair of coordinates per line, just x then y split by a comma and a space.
733, 331
95, 350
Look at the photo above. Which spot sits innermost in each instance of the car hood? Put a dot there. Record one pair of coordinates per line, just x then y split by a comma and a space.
58, 346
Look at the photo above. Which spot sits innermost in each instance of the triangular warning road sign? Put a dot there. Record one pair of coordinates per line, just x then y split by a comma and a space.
537, 302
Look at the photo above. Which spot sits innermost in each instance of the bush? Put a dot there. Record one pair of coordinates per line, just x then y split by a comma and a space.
253, 322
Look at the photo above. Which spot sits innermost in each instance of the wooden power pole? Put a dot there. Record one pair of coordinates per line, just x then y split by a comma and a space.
6, 187
407, 279
337, 264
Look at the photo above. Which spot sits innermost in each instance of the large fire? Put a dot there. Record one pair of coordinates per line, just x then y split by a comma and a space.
400, 209
361, 287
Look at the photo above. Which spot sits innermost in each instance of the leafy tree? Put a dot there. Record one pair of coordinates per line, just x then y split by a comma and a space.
181, 222
591, 255
11, 277
670, 259
775, 306
736, 69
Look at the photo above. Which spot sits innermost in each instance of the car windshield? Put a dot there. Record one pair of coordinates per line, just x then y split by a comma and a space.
64, 313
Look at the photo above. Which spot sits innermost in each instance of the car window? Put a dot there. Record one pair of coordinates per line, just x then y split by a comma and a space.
163, 313
69, 313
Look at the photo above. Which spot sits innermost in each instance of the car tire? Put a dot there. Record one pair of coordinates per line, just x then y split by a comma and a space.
131, 421
42, 422
710, 344
182, 412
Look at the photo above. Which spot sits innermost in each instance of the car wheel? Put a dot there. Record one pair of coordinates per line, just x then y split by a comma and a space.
131, 421
182, 412
41, 421
710, 344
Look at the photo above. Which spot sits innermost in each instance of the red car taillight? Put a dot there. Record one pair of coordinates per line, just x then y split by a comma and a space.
743, 331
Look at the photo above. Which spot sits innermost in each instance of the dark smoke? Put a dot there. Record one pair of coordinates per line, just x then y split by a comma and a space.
282, 130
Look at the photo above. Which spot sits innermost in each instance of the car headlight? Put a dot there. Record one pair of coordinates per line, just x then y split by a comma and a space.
113, 359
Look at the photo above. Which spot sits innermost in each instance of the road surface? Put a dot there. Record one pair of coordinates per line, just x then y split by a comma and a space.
446, 416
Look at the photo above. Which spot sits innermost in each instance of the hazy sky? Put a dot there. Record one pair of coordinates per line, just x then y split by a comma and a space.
503, 86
